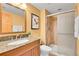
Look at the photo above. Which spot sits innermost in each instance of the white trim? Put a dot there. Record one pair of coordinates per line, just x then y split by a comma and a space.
61, 12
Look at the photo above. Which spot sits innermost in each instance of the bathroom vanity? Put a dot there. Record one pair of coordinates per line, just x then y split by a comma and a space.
13, 21
30, 48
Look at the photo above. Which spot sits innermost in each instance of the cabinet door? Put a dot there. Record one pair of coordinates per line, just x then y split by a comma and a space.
27, 53
36, 51
32, 52
6, 22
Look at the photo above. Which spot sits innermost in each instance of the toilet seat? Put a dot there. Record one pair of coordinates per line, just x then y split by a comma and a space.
45, 48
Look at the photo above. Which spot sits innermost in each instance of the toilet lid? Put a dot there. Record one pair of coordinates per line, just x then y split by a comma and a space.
45, 48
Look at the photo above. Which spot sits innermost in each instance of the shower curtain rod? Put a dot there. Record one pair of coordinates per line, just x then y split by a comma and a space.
61, 13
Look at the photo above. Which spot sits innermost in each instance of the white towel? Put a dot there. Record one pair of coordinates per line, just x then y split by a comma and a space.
76, 26
17, 28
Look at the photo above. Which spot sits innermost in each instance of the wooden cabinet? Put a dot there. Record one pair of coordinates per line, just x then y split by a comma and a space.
32, 52
31, 49
5, 21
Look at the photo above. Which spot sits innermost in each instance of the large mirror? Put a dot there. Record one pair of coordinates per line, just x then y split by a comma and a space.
12, 19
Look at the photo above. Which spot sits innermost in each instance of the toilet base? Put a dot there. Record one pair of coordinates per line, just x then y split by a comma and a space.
45, 50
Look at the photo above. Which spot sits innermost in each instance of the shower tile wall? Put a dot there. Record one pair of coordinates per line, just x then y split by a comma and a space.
65, 33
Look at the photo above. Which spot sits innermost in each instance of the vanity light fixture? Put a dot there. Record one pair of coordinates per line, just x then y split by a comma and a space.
21, 5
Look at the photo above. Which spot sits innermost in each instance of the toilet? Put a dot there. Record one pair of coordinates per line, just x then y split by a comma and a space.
45, 50
51, 50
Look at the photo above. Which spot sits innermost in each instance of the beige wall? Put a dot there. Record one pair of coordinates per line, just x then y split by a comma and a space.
43, 26
19, 20
77, 8
77, 42
41, 33
42, 14
77, 47
31, 9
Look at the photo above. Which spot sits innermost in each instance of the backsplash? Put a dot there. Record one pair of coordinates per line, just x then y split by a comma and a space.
7, 38
22, 35
13, 37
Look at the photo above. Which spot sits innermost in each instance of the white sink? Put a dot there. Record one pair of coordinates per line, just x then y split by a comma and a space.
23, 40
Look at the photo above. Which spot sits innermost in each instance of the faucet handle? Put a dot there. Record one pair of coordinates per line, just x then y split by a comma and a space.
18, 36
12, 37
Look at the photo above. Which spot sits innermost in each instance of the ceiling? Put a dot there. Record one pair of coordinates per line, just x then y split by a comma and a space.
54, 7
12, 9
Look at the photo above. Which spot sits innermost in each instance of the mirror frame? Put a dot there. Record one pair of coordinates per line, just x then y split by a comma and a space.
25, 20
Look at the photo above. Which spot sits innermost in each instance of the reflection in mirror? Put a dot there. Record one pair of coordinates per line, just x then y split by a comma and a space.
12, 19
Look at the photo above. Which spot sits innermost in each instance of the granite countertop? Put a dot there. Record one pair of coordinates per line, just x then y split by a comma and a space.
5, 47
